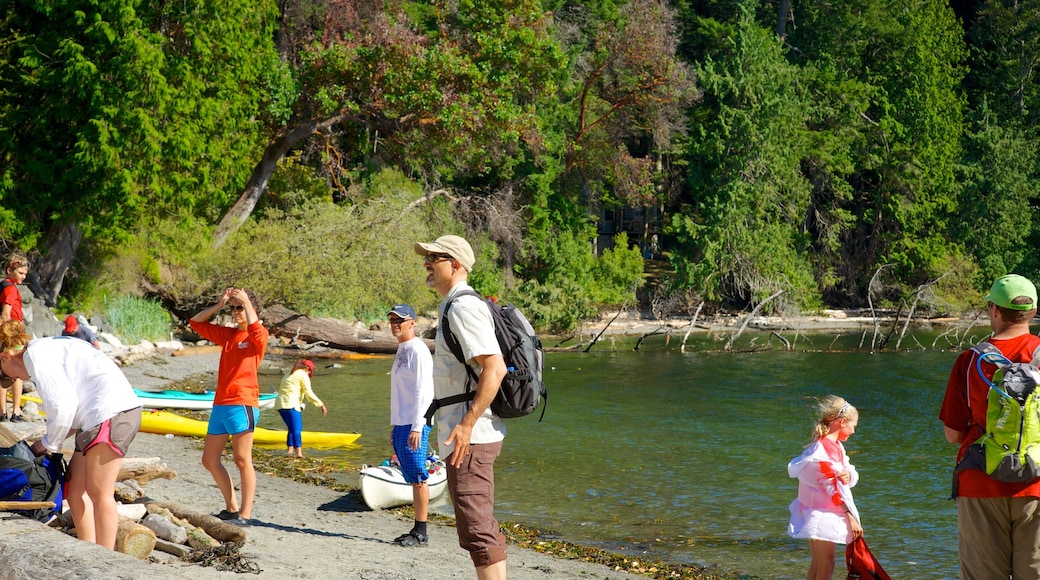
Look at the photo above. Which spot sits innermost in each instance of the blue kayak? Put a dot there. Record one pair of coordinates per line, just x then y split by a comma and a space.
193, 401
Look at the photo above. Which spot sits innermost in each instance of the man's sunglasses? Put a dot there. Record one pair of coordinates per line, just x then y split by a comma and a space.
431, 258
237, 308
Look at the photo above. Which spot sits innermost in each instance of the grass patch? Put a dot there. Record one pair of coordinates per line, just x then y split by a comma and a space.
135, 319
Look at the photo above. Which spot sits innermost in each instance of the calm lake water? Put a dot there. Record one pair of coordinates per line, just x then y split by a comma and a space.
682, 457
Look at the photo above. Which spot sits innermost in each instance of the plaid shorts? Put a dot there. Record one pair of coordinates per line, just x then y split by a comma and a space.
413, 463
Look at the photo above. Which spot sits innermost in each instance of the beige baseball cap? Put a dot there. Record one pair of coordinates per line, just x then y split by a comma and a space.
454, 246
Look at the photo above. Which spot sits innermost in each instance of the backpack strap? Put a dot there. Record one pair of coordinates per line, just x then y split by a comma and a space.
456, 349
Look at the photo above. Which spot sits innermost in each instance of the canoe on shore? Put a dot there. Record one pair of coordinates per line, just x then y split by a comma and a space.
190, 401
164, 422
383, 486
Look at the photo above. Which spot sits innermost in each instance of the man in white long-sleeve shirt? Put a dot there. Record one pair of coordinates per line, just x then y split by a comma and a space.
411, 391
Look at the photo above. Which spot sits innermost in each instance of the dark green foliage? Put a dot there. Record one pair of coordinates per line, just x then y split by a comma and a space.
873, 136
742, 238
117, 110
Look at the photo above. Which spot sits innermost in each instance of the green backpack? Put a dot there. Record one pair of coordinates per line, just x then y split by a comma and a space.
1009, 450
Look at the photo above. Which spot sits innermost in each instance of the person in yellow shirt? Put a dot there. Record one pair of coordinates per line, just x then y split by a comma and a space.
295, 387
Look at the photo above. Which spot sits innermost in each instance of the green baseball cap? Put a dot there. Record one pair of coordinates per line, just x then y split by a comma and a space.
1007, 288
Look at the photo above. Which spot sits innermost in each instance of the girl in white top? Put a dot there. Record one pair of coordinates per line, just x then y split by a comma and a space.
83, 393
824, 512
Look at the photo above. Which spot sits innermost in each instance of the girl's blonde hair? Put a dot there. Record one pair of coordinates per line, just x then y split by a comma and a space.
829, 409
13, 335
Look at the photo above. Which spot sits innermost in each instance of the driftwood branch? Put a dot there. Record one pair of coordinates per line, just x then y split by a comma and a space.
212, 525
747, 319
682, 347
870, 303
913, 307
427, 198
604, 329
144, 469
647, 335
787, 344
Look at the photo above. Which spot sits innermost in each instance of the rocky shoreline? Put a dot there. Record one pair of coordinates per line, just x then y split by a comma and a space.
304, 530
300, 530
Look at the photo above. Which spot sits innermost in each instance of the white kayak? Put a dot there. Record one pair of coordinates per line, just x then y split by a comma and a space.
383, 486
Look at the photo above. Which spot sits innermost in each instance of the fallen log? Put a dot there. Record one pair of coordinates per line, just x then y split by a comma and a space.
281, 321
126, 493
7, 439
179, 550
209, 349
212, 525
135, 540
144, 469
15, 506
196, 538
131, 511
165, 529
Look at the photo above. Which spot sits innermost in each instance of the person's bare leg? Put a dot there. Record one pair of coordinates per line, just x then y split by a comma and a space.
242, 448
821, 565
16, 397
421, 501
102, 468
3, 400
496, 571
211, 454
79, 502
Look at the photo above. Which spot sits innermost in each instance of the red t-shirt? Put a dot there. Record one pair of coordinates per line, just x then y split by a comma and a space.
11, 296
964, 409
237, 382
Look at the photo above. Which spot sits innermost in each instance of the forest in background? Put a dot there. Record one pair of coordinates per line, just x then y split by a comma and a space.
799, 154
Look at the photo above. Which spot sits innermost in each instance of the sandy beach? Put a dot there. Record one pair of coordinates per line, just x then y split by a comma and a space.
299, 530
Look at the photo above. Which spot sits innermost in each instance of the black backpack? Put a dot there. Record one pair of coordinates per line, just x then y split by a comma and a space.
24, 477
522, 388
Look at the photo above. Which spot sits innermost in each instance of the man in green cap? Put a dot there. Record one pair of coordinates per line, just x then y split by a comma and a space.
998, 523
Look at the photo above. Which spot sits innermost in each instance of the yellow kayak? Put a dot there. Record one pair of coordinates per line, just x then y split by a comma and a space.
163, 422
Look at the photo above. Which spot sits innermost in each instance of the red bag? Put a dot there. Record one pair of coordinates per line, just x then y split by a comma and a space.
863, 564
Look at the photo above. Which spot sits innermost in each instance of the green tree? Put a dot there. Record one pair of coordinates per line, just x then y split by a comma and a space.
888, 123
459, 97
997, 173
742, 236
1002, 175
114, 110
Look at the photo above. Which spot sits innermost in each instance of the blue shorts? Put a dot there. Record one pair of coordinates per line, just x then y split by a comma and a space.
232, 419
413, 463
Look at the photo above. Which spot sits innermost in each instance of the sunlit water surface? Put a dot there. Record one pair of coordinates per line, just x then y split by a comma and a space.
682, 457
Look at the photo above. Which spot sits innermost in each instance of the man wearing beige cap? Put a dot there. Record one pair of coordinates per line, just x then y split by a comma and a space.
469, 435
998, 523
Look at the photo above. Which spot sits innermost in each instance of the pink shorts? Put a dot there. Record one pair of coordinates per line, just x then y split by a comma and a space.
117, 432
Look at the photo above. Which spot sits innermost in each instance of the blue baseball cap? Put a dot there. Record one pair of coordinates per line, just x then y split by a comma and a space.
403, 310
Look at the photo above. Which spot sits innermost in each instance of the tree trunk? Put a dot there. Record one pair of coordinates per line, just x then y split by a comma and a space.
48, 275
781, 18
257, 184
